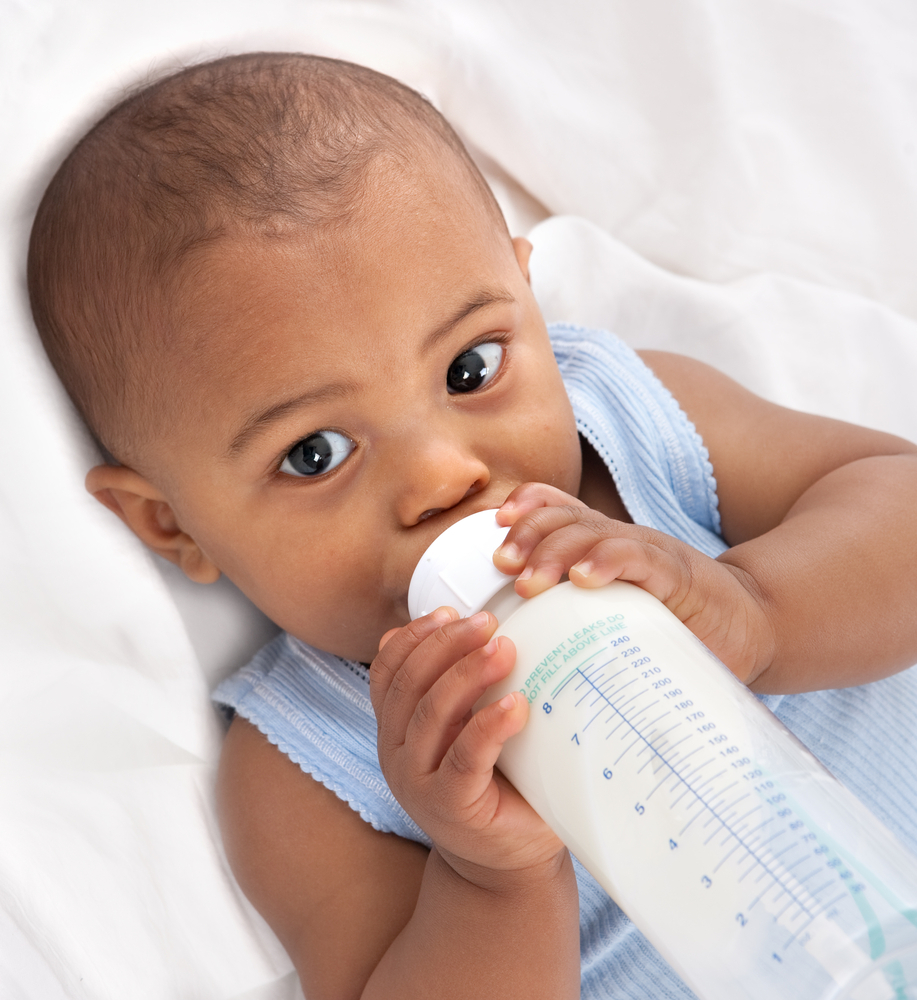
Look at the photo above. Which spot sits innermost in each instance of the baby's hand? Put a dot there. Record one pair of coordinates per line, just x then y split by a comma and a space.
554, 535
439, 759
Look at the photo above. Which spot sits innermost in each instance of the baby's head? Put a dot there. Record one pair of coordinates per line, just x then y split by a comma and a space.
286, 303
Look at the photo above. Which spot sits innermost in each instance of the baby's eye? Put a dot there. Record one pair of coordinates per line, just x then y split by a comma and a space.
319, 452
474, 368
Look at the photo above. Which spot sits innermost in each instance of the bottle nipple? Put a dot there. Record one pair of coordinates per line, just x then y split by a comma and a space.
458, 568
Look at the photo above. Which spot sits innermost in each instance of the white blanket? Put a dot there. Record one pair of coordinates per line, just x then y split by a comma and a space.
733, 179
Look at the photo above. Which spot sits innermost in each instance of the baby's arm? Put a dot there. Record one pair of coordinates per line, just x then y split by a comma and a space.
819, 587
366, 914
497, 875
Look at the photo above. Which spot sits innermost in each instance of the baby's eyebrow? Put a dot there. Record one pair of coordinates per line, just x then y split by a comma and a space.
256, 423
486, 297
264, 418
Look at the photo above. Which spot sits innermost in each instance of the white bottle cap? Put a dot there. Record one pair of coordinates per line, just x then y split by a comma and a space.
458, 568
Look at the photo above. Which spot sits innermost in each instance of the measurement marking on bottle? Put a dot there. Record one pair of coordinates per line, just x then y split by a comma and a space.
657, 786
774, 836
757, 898
721, 805
690, 822
596, 715
621, 705
827, 906
724, 826
789, 847
707, 761
676, 780
738, 826
609, 680
567, 680
833, 902
709, 780
639, 719
616, 728
659, 718
651, 758
587, 694
751, 812
732, 811
805, 878
786, 906
624, 703
709, 806
674, 753
629, 746
810, 919
735, 847
760, 876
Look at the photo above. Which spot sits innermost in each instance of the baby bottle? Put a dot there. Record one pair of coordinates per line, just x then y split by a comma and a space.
751, 869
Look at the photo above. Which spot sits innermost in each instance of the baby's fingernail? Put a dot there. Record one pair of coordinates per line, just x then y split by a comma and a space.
584, 568
480, 619
509, 551
491, 647
507, 702
442, 615
525, 574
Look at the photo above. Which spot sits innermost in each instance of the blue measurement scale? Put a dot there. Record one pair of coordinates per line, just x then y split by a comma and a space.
712, 835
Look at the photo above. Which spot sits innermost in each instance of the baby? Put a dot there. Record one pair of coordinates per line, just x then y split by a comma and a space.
286, 304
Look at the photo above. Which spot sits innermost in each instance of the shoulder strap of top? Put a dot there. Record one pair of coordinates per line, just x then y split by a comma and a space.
315, 707
658, 461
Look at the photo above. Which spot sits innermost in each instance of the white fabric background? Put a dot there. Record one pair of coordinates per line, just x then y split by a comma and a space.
733, 179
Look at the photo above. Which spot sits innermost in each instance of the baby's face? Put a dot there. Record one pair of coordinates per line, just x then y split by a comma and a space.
352, 394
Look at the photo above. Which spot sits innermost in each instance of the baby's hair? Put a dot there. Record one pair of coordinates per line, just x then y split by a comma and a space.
249, 145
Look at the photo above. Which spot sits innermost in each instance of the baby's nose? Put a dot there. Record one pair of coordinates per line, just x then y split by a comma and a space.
439, 479
433, 511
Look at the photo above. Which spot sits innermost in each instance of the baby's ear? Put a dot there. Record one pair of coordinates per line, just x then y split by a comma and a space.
148, 514
523, 250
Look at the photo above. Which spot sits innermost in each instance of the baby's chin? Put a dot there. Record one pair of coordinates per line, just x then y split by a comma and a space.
356, 652
359, 646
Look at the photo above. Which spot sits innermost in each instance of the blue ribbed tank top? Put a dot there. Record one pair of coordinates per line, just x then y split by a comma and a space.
315, 707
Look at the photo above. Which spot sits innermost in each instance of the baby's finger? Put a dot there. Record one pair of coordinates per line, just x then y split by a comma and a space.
550, 540
663, 567
467, 767
385, 638
396, 645
405, 680
446, 708
531, 496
